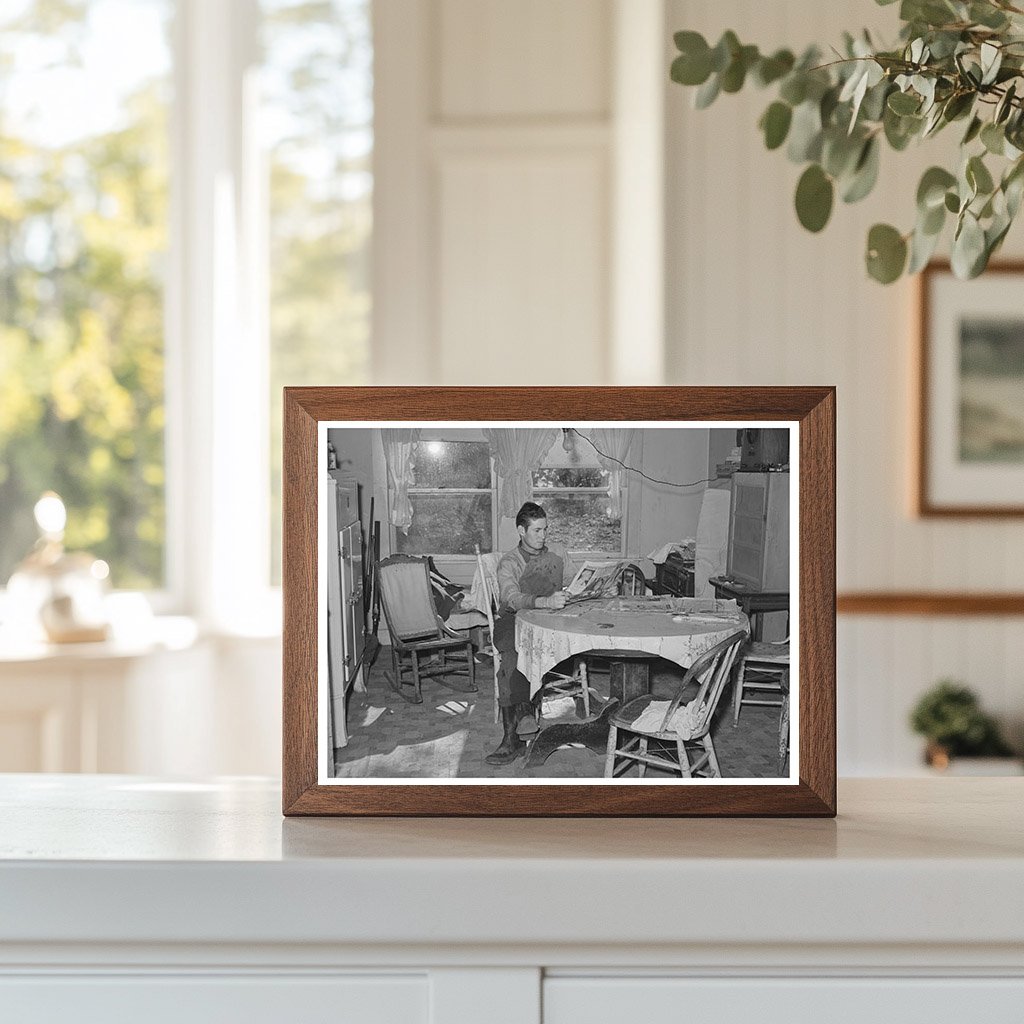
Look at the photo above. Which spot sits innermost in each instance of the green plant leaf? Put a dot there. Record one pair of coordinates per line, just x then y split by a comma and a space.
771, 69
993, 138
887, 253
814, 194
775, 124
865, 173
973, 129
952, 202
978, 176
794, 88
931, 191
922, 247
707, 93
693, 65
987, 15
1004, 106
968, 255
904, 103
805, 133
735, 74
725, 49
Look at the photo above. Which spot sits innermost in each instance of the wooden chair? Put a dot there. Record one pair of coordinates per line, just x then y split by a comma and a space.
421, 645
761, 668
576, 685
658, 733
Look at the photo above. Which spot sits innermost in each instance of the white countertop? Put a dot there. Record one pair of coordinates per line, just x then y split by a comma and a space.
123, 859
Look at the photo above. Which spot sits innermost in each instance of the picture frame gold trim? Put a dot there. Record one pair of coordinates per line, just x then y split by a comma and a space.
814, 408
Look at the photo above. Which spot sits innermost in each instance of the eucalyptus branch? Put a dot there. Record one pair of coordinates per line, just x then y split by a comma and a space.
834, 116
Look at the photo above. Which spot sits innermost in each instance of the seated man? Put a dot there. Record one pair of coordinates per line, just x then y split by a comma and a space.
530, 576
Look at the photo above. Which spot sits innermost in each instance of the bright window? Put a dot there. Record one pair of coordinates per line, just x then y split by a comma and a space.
452, 500
83, 239
317, 129
577, 493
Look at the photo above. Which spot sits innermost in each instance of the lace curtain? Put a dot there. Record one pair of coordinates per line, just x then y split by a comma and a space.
399, 448
616, 442
516, 454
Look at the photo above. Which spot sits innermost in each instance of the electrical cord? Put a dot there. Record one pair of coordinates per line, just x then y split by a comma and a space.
640, 472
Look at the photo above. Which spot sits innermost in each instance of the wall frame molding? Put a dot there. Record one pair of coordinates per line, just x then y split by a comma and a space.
935, 603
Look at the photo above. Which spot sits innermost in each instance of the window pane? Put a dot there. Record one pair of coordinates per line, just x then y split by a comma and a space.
581, 522
447, 524
453, 464
84, 99
317, 123
571, 478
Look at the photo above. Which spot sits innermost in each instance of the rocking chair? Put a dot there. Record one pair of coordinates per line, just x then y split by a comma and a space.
421, 645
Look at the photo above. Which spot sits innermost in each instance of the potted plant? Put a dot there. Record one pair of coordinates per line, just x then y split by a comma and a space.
950, 717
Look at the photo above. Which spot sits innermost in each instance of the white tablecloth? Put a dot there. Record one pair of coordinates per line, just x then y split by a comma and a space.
679, 629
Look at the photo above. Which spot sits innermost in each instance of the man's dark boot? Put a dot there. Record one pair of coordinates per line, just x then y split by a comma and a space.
512, 745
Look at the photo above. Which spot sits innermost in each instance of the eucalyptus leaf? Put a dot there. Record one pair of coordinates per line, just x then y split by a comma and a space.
794, 88
814, 194
886, 253
991, 60
922, 248
775, 124
931, 190
805, 133
978, 176
968, 247
993, 138
771, 69
987, 15
952, 202
707, 93
973, 129
903, 103
724, 51
1005, 104
865, 173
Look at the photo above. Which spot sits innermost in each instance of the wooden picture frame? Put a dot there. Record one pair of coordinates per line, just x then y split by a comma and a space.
969, 448
809, 412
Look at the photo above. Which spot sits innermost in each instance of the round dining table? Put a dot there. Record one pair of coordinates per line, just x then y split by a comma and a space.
679, 629
629, 632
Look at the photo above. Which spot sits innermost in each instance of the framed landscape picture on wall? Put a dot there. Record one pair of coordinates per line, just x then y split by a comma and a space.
559, 601
970, 450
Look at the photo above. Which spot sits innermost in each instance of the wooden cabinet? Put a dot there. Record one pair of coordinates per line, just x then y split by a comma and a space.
758, 553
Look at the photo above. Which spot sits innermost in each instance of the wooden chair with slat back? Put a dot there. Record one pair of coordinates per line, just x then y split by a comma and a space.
762, 676
652, 733
421, 645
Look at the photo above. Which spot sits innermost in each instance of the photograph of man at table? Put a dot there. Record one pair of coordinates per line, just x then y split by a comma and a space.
550, 577
532, 575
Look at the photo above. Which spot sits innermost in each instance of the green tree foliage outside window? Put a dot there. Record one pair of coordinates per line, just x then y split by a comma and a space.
83, 216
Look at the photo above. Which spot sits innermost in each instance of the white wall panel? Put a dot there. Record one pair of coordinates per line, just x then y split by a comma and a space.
531, 58
521, 273
752, 298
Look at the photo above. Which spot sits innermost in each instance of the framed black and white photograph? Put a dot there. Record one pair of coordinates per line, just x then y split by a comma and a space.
970, 450
531, 610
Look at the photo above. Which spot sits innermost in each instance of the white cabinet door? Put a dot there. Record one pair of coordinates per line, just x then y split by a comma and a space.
205, 999
784, 1000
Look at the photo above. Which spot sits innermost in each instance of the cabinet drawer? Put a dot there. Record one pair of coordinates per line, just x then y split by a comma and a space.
783, 1000
224, 999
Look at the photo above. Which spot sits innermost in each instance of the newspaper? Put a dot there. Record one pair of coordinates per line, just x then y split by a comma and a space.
595, 579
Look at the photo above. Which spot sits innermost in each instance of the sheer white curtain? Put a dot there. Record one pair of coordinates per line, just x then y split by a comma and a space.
516, 454
399, 454
614, 442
